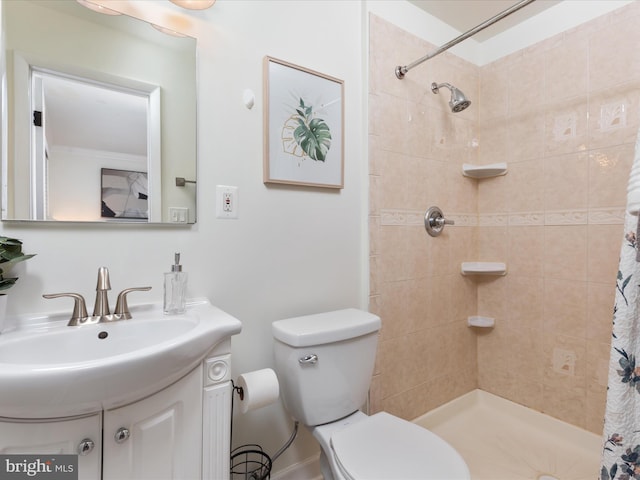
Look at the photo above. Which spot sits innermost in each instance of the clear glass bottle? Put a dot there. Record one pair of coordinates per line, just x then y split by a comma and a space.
175, 289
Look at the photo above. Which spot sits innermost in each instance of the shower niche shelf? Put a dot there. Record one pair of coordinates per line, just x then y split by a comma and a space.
481, 322
484, 171
483, 268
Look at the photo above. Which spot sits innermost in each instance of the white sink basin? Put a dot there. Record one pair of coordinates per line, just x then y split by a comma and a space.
59, 371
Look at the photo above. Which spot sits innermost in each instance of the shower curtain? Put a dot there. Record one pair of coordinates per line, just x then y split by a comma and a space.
621, 448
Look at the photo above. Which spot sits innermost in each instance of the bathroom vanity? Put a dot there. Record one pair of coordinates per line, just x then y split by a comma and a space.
176, 430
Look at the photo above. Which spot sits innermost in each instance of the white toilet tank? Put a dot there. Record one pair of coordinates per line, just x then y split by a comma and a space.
324, 363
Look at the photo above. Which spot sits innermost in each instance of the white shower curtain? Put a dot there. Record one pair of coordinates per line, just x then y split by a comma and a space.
621, 449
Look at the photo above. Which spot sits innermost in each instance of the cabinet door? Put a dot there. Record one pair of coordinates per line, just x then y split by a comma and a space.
57, 437
158, 438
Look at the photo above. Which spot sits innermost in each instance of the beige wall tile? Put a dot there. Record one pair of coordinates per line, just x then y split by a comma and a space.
525, 135
492, 297
393, 263
526, 82
418, 252
439, 296
565, 252
600, 301
394, 301
565, 307
566, 126
461, 195
493, 244
493, 141
566, 182
612, 52
525, 300
614, 115
526, 251
392, 184
494, 83
567, 403
525, 186
566, 70
609, 168
603, 253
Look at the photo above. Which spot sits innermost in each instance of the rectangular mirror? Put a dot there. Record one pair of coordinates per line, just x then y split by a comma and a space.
86, 93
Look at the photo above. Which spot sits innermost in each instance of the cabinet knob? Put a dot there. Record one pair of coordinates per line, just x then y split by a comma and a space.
122, 435
85, 447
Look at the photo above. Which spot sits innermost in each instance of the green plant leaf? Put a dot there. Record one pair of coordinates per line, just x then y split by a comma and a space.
313, 135
7, 283
10, 254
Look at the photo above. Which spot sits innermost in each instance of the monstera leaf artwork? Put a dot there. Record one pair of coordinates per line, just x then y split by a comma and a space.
304, 134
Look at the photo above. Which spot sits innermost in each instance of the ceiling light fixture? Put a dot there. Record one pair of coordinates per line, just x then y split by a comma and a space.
194, 4
97, 8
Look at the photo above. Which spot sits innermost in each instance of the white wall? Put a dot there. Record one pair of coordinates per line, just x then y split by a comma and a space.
293, 251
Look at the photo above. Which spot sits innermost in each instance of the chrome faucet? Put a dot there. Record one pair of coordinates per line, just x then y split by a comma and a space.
101, 307
101, 312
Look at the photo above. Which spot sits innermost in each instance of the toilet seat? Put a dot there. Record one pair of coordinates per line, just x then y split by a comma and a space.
384, 447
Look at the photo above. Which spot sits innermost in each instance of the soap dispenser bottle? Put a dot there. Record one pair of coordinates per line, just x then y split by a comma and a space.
175, 289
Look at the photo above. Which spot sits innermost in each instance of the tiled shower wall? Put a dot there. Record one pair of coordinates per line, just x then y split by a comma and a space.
564, 115
427, 355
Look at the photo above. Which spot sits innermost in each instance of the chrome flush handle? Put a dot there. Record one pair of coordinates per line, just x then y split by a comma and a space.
311, 359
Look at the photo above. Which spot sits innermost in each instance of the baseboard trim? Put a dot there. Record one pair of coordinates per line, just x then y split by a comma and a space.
308, 469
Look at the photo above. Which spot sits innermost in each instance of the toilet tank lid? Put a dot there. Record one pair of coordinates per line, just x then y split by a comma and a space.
327, 327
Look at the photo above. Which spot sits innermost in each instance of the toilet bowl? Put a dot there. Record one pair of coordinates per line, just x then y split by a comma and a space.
324, 364
385, 447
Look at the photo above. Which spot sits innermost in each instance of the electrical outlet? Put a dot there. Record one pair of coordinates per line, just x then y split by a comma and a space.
226, 201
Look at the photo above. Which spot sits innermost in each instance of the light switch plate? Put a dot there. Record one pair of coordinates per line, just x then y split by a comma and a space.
178, 214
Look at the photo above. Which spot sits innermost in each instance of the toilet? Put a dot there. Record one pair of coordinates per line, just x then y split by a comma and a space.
324, 364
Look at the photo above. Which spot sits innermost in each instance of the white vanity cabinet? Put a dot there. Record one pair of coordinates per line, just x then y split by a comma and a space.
143, 399
160, 437
82, 436
157, 437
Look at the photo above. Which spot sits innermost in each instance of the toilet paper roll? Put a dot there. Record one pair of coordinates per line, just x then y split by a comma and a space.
259, 388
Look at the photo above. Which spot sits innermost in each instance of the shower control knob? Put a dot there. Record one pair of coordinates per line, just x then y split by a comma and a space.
434, 221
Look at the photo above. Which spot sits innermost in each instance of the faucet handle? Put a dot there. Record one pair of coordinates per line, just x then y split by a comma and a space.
79, 306
122, 309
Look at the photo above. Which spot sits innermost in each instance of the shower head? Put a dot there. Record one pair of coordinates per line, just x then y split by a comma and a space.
458, 101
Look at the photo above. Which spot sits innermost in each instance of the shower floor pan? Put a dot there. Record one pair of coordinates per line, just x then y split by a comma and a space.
501, 440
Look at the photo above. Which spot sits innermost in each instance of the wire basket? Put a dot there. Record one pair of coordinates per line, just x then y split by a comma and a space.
250, 462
